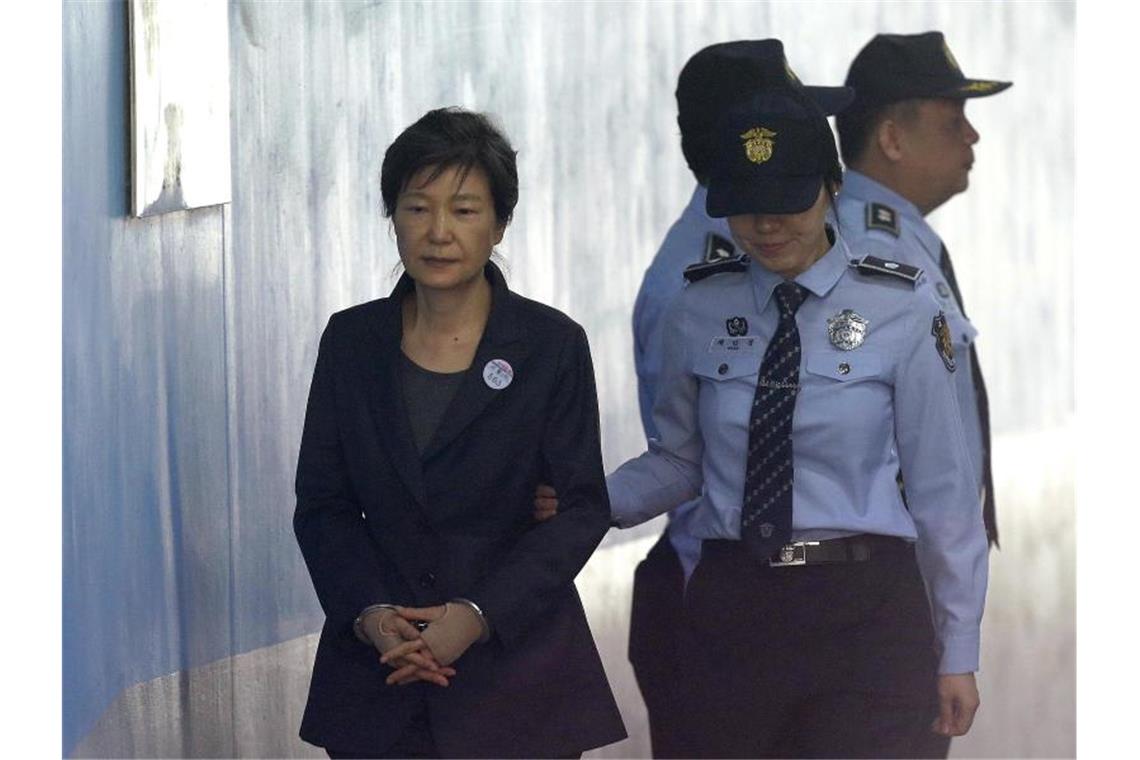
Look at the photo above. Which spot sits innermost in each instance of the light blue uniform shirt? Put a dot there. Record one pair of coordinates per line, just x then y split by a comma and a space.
860, 416
683, 245
916, 244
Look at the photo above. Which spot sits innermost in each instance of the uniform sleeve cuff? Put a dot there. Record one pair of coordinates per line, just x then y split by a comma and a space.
960, 654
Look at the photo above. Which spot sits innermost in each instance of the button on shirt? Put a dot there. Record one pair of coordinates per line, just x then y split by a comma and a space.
917, 244
664, 279
861, 414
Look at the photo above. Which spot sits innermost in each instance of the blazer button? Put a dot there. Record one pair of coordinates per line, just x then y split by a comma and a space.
427, 579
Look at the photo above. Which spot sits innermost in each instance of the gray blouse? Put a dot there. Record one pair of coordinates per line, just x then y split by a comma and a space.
426, 397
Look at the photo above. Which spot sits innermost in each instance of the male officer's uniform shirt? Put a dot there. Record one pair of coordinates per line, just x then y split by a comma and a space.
861, 414
875, 220
683, 245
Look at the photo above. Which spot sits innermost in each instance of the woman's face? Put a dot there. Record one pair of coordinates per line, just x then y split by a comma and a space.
786, 244
446, 228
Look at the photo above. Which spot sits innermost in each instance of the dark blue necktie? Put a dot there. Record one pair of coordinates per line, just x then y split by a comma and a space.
989, 516
766, 515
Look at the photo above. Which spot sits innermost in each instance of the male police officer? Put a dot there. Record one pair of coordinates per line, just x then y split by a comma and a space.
714, 79
908, 149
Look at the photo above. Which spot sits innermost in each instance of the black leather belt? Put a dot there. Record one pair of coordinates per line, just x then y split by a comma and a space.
858, 548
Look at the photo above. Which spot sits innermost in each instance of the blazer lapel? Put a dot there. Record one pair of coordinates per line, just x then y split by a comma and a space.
386, 393
502, 340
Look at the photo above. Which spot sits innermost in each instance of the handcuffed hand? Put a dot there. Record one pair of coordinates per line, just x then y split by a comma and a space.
387, 631
452, 629
545, 502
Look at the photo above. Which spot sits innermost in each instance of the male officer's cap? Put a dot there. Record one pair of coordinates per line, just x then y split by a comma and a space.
772, 154
894, 67
721, 75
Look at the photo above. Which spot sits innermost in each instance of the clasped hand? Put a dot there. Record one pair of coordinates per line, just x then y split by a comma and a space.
422, 656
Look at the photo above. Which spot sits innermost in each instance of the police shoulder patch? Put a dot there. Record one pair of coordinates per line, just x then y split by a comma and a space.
700, 271
880, 216
942, 343
873, 265
717, 249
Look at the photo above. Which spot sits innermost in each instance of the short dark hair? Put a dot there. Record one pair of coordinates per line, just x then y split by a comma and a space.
446, 138
857, 125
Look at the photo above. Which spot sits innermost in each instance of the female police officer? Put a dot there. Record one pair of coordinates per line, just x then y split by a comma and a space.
798, 381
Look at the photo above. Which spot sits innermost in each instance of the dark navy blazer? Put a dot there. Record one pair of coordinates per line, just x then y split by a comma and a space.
378, 522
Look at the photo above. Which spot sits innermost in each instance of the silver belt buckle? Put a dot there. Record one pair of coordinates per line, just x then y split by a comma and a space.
792, 555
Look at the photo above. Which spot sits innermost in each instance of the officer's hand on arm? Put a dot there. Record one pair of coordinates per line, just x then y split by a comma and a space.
452, 629
958, 702
545, 502
388, 632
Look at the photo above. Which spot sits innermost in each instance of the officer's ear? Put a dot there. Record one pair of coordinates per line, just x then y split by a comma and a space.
889, 139
897, 122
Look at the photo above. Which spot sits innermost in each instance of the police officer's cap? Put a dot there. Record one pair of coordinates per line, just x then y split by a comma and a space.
720, 75
894, 67
772, 154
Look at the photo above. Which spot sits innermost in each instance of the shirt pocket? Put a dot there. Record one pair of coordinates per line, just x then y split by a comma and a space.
724, 366
845, 411
847, 367
727, 387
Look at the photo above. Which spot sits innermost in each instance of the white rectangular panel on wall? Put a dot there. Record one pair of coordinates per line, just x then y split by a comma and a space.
180, 105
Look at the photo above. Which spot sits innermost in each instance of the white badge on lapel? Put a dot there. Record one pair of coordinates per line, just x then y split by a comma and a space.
497, 374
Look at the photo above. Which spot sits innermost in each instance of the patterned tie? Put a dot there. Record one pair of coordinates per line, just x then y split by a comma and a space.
766, 517
989, 516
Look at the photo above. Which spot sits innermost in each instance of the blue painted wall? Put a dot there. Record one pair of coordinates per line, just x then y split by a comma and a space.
147, 571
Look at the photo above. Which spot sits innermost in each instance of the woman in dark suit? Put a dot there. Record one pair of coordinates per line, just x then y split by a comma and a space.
453, 626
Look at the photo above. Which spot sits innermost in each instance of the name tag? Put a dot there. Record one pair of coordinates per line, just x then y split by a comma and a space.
747, 344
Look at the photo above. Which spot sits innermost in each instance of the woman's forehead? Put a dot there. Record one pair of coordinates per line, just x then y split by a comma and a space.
450, 181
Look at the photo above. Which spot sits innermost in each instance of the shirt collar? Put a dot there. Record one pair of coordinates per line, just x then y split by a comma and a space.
863, 188
819, 278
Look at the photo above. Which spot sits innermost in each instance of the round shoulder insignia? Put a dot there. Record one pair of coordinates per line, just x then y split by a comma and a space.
942, 343
846, 330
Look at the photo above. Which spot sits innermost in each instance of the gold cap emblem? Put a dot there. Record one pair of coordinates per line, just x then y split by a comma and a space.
978, 86
758, 144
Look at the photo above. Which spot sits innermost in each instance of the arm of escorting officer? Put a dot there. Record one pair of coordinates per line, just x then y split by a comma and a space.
942, 496
669, 473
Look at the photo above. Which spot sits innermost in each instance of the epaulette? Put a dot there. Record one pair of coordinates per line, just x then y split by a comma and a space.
700, 271
875, 266
717, 249
880, 216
